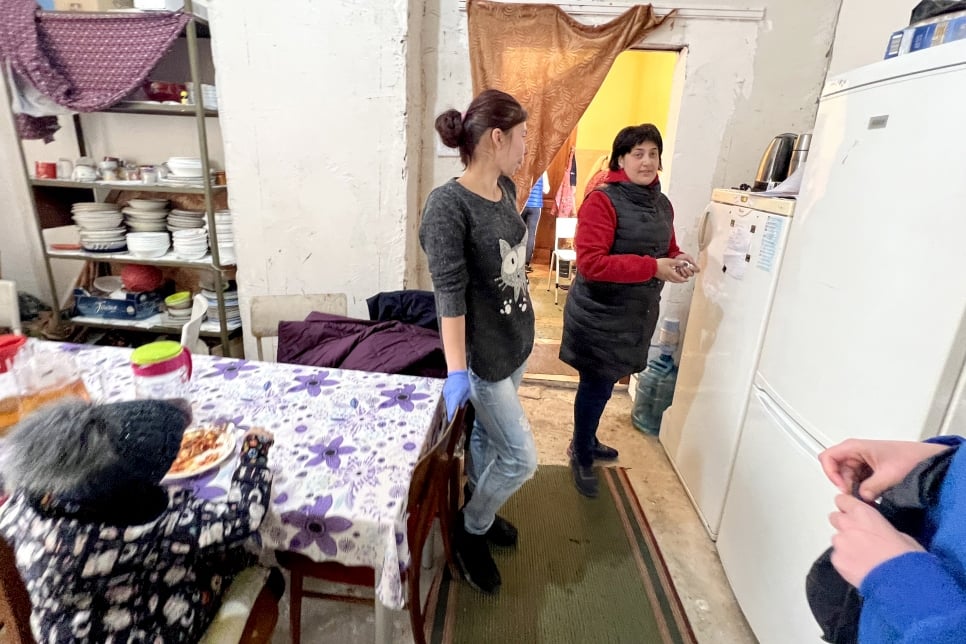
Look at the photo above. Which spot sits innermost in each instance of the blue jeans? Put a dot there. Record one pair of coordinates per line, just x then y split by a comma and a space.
503, 455
531, 217
592, 395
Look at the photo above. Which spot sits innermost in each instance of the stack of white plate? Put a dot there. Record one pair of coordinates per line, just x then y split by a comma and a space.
226, 236
185, 220
100, 226
148, 245
190, 243
146, 215
185, 167
232, 313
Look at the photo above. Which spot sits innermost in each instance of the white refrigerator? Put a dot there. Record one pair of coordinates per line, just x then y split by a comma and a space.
740, 241
867, 334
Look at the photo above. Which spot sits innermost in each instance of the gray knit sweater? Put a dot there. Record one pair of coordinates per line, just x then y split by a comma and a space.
476, 250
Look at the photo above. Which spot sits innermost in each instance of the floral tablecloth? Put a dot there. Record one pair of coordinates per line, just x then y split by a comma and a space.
346, 444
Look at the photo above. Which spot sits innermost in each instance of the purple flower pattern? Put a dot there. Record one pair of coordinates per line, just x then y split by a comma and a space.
313, 383
402, 397
330, 453
231, 369
314, 527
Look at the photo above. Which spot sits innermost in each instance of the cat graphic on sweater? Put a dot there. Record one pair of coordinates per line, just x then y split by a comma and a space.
513, 275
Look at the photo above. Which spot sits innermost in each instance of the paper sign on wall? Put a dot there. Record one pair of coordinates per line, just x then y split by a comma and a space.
736, 253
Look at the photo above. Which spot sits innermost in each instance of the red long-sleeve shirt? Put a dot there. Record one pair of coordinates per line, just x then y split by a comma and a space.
596, 223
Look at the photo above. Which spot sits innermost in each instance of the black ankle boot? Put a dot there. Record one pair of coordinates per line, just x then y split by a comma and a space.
474, 559
502, 533
585, 478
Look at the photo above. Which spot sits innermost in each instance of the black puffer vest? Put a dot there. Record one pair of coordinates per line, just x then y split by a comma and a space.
608, 326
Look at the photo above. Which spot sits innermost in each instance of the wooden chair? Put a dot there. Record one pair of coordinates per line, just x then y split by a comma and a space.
434, 492
14, 601
268, 310
15, 608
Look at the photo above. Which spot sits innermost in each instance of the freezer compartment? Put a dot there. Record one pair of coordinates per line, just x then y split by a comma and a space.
862, 340
775, 523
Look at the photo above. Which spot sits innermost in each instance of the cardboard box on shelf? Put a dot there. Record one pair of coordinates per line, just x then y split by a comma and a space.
92, 5
927, 33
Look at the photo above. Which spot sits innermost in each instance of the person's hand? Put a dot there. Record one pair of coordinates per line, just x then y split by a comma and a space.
456, 391
667, 270
864, 539
686, 265
873, 465
257, 435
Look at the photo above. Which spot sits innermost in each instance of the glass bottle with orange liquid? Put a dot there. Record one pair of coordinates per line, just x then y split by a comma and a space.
45, 375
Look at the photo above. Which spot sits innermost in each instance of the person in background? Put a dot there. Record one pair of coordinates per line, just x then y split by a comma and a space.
475, 242
626, 251
599, 175
531, 214
912, 592
105, 553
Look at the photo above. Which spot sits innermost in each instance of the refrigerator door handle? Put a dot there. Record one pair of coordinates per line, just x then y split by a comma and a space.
703, 230
807, 444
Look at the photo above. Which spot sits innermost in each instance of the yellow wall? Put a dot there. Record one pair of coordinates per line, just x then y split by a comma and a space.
637, 90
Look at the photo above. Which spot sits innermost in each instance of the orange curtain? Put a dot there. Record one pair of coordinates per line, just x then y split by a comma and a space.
549, 62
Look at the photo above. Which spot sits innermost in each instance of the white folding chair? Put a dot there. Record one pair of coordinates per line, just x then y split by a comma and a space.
9, 307
268, 310
564, 228
191, 331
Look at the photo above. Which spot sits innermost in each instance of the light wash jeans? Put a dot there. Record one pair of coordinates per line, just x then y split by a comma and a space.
503, 455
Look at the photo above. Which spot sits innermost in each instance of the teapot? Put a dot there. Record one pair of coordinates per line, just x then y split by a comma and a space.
161, 370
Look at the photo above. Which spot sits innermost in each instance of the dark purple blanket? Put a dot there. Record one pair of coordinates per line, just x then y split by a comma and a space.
326, 340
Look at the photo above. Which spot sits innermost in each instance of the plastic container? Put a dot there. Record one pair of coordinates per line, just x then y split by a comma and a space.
162, 370
655, 390
10, 346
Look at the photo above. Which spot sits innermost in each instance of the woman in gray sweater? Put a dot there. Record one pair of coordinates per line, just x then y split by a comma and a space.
476, 244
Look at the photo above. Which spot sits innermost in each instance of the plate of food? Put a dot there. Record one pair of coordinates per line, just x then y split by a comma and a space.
202, 448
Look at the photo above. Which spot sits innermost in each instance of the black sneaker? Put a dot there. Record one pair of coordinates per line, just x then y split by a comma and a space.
585, 478
502, 533
474, 559
601, 452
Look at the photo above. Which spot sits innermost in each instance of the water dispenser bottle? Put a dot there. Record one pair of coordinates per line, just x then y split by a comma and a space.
655, 385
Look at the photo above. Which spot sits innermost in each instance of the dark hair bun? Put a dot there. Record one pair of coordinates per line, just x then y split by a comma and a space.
449, 124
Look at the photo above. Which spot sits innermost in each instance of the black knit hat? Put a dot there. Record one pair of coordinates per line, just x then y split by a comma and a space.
82, 452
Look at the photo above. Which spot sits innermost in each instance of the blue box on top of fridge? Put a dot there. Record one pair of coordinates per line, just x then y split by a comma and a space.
955, 29
922, 37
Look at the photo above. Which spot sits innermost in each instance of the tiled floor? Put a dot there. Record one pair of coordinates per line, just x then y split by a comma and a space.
690, 554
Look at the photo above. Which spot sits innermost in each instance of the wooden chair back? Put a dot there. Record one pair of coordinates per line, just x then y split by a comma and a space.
14, 601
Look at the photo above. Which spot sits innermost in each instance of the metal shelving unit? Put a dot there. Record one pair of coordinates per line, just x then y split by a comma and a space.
219, 328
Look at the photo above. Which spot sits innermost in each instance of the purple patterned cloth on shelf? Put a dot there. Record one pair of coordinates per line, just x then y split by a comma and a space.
82, 61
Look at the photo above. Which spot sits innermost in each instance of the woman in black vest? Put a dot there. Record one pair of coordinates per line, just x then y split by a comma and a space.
625, 252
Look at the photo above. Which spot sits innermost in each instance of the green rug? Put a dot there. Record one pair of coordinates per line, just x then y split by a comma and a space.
584, 571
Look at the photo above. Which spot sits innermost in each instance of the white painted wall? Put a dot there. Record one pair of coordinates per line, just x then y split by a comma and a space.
863, 31
743, 82
314, 115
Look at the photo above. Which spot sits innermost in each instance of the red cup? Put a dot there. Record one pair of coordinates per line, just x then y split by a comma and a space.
45, 169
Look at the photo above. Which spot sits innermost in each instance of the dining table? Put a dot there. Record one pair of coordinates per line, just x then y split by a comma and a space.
346, 446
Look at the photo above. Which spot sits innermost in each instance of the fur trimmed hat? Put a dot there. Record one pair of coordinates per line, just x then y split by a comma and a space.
83, 452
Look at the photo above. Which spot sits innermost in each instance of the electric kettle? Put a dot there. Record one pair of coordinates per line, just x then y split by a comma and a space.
773, 168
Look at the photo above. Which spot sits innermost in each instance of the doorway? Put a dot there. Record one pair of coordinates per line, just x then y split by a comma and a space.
640, 88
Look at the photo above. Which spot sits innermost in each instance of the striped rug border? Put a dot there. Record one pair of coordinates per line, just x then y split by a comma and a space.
666, 606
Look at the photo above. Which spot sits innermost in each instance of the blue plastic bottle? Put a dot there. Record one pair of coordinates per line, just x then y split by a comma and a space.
655, 389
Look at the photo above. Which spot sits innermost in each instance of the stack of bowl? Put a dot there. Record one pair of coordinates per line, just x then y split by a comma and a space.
226, 236
146, 215
178, 308
100, 226
185, 219
191, 243
148, 245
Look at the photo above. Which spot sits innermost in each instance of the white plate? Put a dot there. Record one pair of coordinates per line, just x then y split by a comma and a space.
227, 443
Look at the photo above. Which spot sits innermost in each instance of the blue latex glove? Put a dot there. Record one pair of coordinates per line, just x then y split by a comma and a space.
456, 391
